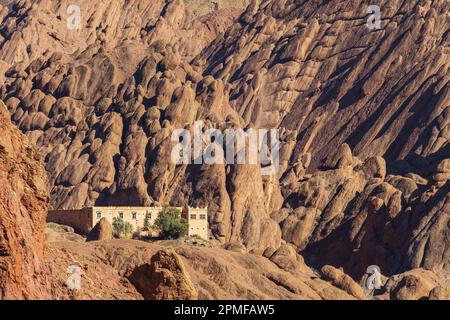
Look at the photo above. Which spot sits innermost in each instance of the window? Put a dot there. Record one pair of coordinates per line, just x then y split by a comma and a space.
133, 215
193, 216
203, 217
99, 215
121, 215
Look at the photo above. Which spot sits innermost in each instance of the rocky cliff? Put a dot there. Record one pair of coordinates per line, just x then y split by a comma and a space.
363, 116
23, 209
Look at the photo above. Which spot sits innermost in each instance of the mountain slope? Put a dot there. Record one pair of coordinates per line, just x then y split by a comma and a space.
23, 209
317, 68
363, 117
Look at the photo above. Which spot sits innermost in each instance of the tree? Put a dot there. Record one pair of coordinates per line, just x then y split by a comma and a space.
146, 226
121, 228
171, 224
137, 233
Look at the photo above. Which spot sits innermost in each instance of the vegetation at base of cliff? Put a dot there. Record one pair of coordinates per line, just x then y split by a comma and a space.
170, 223
146, 228
121, 228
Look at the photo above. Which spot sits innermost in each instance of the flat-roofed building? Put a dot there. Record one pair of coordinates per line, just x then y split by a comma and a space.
83, 220
198, 222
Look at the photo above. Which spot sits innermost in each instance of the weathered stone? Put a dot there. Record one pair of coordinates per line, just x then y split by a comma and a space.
342, 281
101, 231
164, 278
23, 209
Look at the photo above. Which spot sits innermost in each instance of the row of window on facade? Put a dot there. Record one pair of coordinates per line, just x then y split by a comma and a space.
134, 216
194, 217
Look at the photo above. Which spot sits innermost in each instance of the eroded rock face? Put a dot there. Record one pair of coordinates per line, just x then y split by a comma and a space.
417, 284
363, 118
101, 231
214, 273
31, 28
318, 73
343, 281
319, 70
23, 209
105, 130
164, 278
355, 218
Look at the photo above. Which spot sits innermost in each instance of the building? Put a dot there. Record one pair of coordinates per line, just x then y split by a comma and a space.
83, 220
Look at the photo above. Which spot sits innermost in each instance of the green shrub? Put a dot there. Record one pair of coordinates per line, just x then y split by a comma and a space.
121, 228
197, 240
146, 227
137, 233
170, 223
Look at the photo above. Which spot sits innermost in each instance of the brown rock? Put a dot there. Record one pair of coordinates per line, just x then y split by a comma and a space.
341, 159
442, 171
101, 231
299, 226
411, 287
215, 273
439, 293
104, 126
339, 279
164, 278
418, 284
288, 259
23, 210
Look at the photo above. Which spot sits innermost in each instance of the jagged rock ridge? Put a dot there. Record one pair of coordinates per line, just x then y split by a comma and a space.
23, 209
363, 117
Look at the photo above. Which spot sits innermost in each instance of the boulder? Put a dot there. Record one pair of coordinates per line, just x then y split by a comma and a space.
101, 231
164, 278
442, 173
418, 284
343, 281
439, 293
411, 287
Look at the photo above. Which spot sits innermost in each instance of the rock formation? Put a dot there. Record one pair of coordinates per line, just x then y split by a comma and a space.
363, 116
206, 273
101, 231
342, 281
164, 278
23, 209
417, 284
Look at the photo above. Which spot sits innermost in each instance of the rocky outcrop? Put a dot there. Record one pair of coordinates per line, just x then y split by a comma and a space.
320, 70
358, 216
56, 232
362, 114
417, 284
23, 209
164, 278
31, 28
343, 281
101, 231
214, 273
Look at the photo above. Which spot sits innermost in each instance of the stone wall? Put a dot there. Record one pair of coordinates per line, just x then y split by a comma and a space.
84, 220
81, 220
